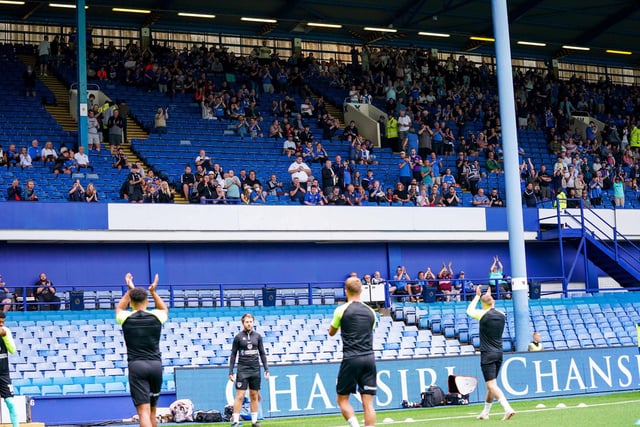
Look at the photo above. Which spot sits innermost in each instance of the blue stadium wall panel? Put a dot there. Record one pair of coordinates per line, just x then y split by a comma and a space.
54, 216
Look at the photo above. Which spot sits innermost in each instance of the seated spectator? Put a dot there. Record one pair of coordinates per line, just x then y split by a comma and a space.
464, 286
289, 146
49, 153
13, 156
45, 294
401, 282
313, 197
400, 194
254, 129
336, 198
492, 164
307, 152
376, 193
206, 189
306, 108
34, 151
91, 194
258, 195
480, 199
274, 186
451, 197
160, 120
25, 158
220, 197
297, 192
415, 289
275, 131
76, 193
6, 297
119, 160
245, 197
320, 155
82, 159
495, 201
30, 193
14, 192
187, 182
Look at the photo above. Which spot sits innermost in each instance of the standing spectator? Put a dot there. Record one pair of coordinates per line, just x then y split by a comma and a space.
29, 78
358, 367
135, 181
115, 125
232, 185
618, 191
142, 330
160, 120
405, 169
14, 192
491, 328
404, 125
495, 201
248, 349
94, 131
529, 197
44, 50
299, 169
46, 293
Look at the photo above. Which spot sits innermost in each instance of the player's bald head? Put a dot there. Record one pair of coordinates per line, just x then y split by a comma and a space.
353, 286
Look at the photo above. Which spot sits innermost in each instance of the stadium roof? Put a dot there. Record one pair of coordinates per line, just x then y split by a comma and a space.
613, 25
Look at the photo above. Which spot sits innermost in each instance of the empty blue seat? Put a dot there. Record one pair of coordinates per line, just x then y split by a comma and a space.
72, 389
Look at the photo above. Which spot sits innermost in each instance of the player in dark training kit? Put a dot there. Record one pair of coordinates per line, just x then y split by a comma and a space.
142, 329
358, 367
491, 328
249, 350
7, 346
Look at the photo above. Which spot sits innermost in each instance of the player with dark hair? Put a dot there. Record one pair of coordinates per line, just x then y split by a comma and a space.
491, 328
142, 329
248, 348
7, 346
358, 367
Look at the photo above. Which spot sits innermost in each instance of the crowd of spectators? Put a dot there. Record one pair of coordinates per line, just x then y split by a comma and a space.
447, 285
435, 108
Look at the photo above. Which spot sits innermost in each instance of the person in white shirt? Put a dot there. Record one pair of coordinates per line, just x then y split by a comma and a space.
44, 50
404, 124
25, 158
82, 159
49, 153
300, 170
94, 134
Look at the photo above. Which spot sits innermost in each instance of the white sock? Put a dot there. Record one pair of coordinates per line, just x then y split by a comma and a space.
254, 417
487, 408
236, 418
505, 404
353, 422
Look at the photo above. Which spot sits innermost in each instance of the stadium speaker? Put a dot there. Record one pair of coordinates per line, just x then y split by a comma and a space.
76, 300
534, 290
268, 297
429, 293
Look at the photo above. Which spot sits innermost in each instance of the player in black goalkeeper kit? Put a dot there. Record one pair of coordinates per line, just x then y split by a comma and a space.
247, 347
358, 367
7, 346
491, 328
142, 329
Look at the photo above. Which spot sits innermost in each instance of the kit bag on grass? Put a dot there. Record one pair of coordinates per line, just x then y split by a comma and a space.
211, 416
182, 410
432, 396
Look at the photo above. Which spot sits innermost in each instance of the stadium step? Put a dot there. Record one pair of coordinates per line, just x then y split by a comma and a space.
59, 111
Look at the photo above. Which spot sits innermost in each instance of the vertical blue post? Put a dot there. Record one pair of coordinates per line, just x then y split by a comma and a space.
83, 113
515, 223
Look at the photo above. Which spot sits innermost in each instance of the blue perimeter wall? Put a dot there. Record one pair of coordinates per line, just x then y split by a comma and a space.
196, 264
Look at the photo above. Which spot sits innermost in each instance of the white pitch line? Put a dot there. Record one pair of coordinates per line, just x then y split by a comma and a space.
499, 414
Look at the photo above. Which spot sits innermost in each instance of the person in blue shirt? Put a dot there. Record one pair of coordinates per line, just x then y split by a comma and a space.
313, 197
